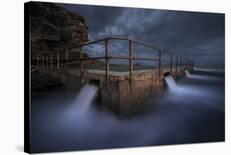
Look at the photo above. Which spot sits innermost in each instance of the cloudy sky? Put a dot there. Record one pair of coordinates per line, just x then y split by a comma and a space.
194, 35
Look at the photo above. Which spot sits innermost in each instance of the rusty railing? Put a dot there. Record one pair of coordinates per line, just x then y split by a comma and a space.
52, 60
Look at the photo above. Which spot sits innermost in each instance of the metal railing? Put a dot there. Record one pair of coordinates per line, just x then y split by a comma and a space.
179, 61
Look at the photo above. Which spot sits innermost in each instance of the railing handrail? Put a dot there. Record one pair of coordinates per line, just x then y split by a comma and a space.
179, 61
120, 38
113, 38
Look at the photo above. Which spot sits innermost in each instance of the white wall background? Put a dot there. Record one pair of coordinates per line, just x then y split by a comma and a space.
12, 63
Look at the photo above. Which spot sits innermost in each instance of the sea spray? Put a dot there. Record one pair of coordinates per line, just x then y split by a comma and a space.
170, 82
86, 96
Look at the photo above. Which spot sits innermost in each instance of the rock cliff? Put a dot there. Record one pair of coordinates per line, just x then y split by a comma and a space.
54, 28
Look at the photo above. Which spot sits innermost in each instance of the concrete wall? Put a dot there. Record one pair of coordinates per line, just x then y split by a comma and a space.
122, 96
119, 94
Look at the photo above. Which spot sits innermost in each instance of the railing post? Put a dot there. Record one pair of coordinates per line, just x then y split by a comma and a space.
130, 61
176, 66
182, 63
61, 60
171, 64
160, 63
81, 65
51, 60
37, 61
106, 59
66, 64
40, 61
43, 63
47, 63
58, 62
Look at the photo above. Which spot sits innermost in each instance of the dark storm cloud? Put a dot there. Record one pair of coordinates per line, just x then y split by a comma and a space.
190, 34
97, 17
184, 30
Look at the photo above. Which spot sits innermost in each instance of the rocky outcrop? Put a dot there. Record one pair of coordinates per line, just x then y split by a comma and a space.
54, 28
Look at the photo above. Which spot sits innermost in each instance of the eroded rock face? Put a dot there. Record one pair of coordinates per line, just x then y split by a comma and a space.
54, 28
